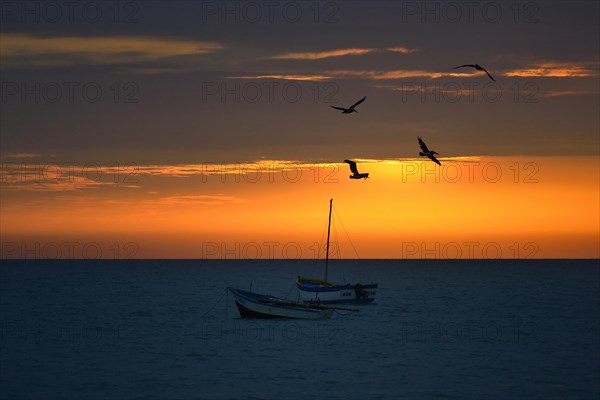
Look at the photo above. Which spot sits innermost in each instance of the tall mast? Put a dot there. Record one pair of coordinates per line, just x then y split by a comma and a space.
328, 231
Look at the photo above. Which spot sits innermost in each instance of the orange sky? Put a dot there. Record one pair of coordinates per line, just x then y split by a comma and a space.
142, 101
488, 207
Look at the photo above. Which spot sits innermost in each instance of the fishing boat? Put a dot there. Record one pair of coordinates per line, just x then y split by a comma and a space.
255, 305
322, 291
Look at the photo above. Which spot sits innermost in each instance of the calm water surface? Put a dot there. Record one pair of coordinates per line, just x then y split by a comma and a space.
166, 329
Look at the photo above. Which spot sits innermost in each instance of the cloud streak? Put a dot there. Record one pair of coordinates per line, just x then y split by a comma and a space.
60, 184
319, 55
402, 50
192, 200
292, 77
54, 177
559, 93
22, 155
351, 74
27, 50
386, 75
553, 70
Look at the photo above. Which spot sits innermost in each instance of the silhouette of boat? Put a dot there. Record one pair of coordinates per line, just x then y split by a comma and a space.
321, 291
255, 305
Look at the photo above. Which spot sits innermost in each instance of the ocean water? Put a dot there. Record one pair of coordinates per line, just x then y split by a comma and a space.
166, 329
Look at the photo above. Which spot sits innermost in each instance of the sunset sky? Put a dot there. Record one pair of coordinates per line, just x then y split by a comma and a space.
203, 129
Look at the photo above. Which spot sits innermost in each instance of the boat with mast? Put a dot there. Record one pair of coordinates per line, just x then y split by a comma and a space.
255, 305
322, 291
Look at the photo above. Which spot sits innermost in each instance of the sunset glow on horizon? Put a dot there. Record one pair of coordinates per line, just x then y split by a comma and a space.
475, 207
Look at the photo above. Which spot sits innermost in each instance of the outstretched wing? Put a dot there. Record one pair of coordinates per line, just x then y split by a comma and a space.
423, 145
352, 166
435, 160
338, 108
488, 74
465, 65
358, 102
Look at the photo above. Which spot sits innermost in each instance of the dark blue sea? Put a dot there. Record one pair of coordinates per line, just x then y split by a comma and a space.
166, 329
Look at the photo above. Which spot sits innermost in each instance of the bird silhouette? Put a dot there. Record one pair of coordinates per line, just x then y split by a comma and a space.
427, 153
350, 109
355, 173
478, 68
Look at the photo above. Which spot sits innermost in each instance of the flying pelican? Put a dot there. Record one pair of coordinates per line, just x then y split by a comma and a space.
478, 68
427, 153
355, 173
350, 109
